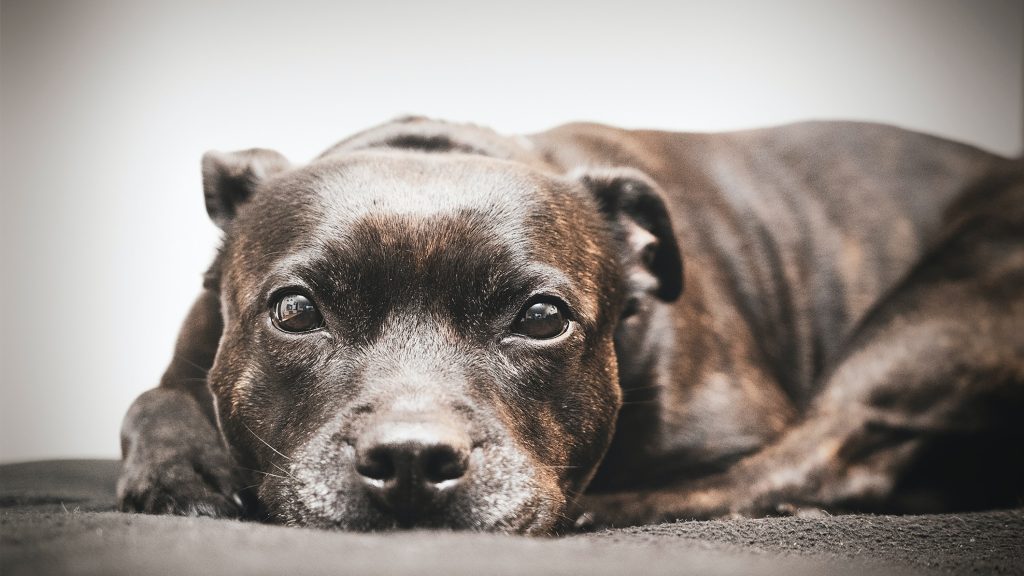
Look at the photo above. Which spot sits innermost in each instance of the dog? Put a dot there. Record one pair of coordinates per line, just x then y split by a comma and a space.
434, 325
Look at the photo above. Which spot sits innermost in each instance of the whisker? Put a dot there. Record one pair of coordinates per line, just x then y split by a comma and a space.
283, 471
191, 363
265, 442
262, 472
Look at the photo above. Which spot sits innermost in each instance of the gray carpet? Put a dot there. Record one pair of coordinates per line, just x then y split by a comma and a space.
58, 518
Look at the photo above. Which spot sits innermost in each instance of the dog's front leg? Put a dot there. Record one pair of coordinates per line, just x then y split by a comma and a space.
832, 461
175, 460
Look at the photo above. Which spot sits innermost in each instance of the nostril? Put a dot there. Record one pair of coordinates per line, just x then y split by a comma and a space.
377, 464
410, 462
442, 463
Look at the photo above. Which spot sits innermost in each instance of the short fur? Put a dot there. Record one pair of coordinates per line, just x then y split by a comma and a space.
815, 316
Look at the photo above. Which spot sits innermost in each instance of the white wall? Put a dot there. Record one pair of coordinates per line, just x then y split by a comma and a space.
108, 105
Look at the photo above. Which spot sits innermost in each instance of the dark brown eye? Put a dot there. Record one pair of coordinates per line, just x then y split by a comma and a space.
296, 313
541, 321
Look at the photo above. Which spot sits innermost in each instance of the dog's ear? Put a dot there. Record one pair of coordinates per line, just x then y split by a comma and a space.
229, 178
635, 207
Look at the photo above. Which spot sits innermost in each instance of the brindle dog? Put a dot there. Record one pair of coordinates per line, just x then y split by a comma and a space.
435, 325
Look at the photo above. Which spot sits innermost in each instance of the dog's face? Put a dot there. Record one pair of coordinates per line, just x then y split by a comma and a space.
414, 339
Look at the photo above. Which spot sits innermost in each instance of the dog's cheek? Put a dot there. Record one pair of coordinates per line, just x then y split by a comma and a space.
316, 489
252, 410
259, 407
567, 421
230, 380
589, 419
509, 493
314, 481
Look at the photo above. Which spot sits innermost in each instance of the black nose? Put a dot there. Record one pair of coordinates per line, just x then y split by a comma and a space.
410, 467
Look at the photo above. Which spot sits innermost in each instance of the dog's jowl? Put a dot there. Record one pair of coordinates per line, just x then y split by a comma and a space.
432, 325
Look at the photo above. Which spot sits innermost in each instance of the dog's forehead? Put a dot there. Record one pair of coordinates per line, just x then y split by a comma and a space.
398, 213
323, 202
417, 184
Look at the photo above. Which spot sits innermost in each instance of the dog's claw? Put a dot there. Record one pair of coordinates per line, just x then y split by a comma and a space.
585, 522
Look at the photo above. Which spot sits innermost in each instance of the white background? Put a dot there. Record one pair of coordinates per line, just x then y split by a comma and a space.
107, 107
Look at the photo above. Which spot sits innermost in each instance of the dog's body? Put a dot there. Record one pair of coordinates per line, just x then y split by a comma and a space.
823, 315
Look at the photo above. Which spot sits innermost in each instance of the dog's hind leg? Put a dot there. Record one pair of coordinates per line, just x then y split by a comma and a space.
924, 412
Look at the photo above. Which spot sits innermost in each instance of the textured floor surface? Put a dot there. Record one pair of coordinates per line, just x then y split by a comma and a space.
57, 518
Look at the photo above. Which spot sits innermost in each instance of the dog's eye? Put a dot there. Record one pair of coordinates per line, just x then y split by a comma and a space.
541, 321
296, 313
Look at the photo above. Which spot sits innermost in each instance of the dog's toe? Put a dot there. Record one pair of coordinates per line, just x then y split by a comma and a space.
179, 488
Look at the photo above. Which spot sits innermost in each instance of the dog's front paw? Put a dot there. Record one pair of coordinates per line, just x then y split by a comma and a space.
196, 482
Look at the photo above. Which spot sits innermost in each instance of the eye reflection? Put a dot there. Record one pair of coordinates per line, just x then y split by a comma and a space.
296, 313
541, 321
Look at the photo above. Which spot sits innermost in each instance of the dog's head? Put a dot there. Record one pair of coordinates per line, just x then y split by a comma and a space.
424, 339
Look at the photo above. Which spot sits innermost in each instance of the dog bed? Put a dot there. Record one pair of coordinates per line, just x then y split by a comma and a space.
58, 517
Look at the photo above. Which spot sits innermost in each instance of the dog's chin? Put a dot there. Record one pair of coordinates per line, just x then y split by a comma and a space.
529, 514
530, 517
505, 495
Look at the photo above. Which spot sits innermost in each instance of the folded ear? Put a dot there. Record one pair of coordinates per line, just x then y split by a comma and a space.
635, 206
229, 178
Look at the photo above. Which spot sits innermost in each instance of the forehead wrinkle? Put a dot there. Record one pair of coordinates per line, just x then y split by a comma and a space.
547, 278
499, 266
404, 184
298, 265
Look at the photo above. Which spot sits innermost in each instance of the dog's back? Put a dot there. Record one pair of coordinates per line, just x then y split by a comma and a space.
812, 223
